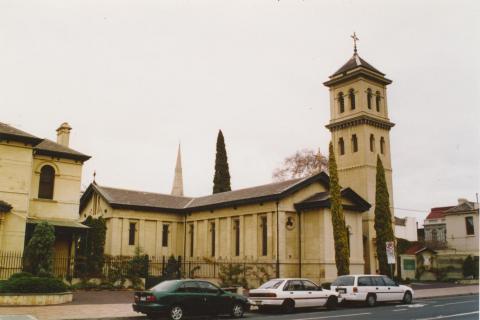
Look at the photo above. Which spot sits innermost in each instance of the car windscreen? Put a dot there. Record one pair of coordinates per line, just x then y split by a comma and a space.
343, 281
272, 284
168, 285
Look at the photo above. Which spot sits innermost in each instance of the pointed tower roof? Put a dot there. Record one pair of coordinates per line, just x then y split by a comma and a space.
177, 188
355, 62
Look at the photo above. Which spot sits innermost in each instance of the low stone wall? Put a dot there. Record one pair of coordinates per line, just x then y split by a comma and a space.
34, 299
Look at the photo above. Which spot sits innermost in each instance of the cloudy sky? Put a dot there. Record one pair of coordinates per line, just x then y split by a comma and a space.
133, 78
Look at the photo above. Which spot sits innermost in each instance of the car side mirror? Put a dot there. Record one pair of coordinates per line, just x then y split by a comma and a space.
220, 292
396, 283
320, 288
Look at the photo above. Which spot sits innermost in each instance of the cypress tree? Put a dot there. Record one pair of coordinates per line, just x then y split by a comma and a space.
340, 232
221, 180
383, 219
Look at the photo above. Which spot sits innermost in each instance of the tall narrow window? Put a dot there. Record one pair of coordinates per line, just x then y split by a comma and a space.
132, 230
369, 98
341, 146
212, 238
236, 230
341, 102
165, 232
47, 182
377, 100
382, 145
351, 96
469, 226
263, 226
372, 143
354, 143
191, 239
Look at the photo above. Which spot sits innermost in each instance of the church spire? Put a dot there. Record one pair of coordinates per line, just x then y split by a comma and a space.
177, 188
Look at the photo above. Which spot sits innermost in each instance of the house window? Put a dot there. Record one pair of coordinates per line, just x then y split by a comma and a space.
434, 235
354, 143
47, 181
236, 231
369, 98
382, 145
341, 146
351, 96
263, 226
349, 235
191, 239
341, 102
469, 226
372, 143
377, 100
132, 230
212, 238
165, 235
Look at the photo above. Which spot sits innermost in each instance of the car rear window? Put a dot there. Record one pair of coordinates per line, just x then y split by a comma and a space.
272, 284
344, 281
168, 285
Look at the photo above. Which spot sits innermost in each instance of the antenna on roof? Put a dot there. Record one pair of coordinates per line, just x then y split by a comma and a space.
94, 175
355, 39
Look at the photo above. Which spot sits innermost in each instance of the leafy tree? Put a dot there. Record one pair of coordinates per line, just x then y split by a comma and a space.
92, 247
383, 219
221, 180
39, 251
172, 269
340, 232
303, 163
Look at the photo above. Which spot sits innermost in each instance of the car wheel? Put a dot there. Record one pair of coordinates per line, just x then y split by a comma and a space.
237, 310
176, 313
332, 303
371, 300
288, 306
407, 298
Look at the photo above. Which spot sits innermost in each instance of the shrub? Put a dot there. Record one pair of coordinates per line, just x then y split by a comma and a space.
469, 268
22, 274
232, 274
39, 251
33, 285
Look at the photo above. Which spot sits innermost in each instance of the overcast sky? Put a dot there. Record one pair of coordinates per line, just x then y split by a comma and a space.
133, 78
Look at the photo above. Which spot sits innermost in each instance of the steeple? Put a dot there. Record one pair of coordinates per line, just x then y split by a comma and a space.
177, 188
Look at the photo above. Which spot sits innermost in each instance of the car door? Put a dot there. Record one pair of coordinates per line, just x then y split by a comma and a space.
191, 298
394, 291
315, 296
380, 288
215, 301
294, 290
365, 286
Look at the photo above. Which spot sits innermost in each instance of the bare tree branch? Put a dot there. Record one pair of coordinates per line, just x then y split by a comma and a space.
301, 164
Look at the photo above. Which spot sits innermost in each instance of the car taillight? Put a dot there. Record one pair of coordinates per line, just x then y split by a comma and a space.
151, 299
355, 289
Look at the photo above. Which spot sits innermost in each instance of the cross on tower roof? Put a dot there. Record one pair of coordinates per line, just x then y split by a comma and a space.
355, 39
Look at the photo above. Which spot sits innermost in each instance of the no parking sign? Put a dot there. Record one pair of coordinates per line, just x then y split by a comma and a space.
390, 246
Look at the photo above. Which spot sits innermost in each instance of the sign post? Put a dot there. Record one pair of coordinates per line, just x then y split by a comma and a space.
390, 247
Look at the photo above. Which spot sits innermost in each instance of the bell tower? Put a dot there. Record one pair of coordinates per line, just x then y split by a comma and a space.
360, 130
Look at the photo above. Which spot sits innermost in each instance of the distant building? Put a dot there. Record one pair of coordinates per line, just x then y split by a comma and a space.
406, 228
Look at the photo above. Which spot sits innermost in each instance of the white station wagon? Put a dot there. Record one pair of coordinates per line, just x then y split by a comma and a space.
371, 288
292, 293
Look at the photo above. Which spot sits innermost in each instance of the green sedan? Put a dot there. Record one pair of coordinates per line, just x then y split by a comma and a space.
180, 298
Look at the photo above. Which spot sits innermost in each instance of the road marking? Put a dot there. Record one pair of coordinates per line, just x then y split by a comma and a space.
339, 316
400, 310
447, 304
449, 316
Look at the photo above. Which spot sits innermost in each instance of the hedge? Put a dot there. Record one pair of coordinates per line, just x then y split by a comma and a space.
29, 284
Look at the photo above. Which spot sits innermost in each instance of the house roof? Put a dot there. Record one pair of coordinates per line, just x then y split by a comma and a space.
138, 200
4, 206
417, 248
354, 62
8, 132
437, 213
323, 200
50, 148
463, 207
62, 223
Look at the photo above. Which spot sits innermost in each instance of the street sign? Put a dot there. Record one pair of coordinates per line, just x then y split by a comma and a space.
390, 246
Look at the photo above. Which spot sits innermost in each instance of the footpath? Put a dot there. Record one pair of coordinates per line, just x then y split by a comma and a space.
118, 304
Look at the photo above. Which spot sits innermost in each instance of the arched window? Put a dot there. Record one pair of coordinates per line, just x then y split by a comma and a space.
47, 181
369, 98
372, 143
377, 100
354, 143
341, 102
341, 146
382, 145
351, 96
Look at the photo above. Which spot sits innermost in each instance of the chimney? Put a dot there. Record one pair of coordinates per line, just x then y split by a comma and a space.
462, 200
63, 134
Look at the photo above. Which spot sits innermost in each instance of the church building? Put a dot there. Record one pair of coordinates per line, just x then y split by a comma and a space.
286, 223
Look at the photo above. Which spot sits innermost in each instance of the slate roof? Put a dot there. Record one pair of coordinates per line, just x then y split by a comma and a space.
355, 62
50, 148
4, 206
8, 132
322, 200
437, 213
463, 207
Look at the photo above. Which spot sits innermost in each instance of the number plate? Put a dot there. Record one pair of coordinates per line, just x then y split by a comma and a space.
342, 290
143, 298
